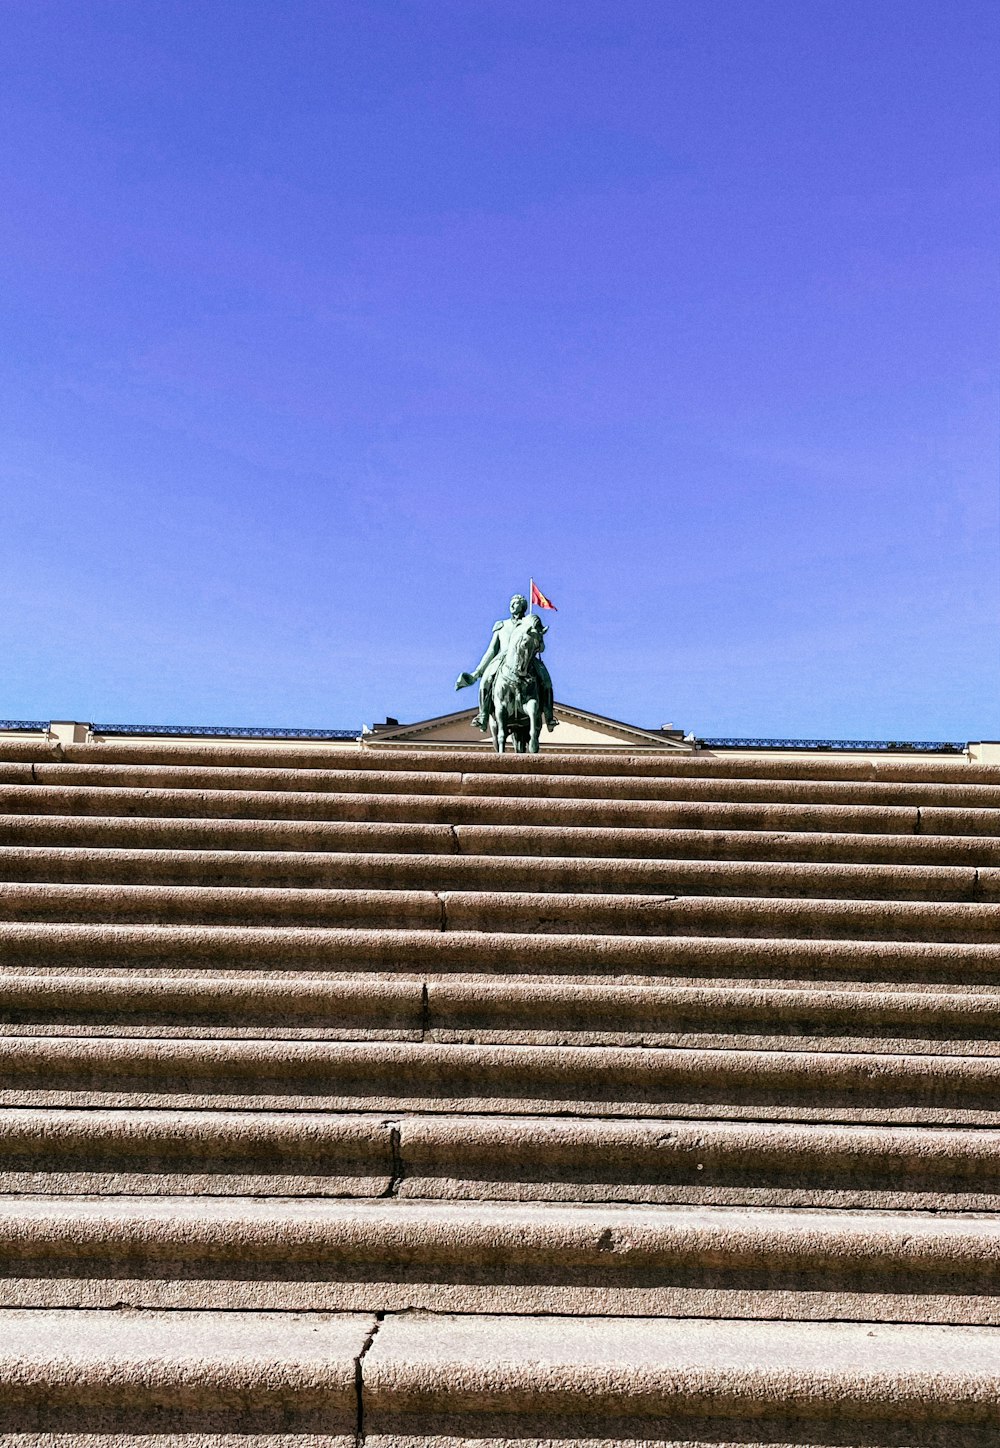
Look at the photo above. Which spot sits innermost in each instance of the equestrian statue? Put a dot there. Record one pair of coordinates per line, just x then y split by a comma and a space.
515, 689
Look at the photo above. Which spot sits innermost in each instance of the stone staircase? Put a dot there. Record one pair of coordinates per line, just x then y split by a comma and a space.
410, 1098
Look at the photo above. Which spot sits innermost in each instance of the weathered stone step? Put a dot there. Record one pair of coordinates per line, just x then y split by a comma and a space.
106, 1378
472, 1157
767, 918
678, 1383
508, 1013
582, 1080
538, 1158
959, 791
106, 949
552, 760
496, 810
204, 1377
598, 1013
362, 837
393, 1255
273, 869
148, 832
240, 779
319, 1007
381, 909
510, 911
219, 1153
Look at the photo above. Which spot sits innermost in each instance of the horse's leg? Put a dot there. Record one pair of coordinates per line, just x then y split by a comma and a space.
498, 722
520, 732
533, 709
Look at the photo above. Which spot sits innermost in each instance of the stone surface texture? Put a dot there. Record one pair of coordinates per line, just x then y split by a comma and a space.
411, 1097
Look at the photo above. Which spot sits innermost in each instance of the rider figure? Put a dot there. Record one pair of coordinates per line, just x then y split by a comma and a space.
503, 631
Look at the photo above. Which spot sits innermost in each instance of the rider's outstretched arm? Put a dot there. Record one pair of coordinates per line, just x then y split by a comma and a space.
492, 649
481, 667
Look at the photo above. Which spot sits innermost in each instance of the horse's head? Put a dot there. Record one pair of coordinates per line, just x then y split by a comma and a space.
522, 649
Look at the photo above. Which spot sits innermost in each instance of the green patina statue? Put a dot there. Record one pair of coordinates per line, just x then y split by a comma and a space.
515, 690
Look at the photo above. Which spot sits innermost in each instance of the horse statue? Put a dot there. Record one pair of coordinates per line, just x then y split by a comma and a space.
515, 700
515, 688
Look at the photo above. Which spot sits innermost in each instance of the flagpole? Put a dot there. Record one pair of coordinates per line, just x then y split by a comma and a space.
531, 590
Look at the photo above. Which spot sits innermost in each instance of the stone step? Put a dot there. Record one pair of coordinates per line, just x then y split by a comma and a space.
633, 915
388, 1076
704, 1162
147, 832
471, 1257
112, 1378
600, 1013
613, 763
482, 1157
362, 837
512, 911
69, 1377
318, 1007
382, 910
513, 1012
497, 809
271, 869
958, 791
677, 1383
218, 1153
106, 949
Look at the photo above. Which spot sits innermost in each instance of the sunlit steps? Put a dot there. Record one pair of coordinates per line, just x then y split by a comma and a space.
412, 1098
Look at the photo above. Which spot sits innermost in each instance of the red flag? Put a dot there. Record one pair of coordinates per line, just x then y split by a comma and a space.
538, 599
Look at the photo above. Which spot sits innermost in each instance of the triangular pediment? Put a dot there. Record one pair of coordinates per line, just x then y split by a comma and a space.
577, 729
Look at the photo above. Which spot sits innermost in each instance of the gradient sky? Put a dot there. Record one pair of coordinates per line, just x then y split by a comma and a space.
324, 325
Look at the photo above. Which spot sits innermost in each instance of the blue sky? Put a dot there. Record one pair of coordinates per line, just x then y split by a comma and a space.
325, 325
